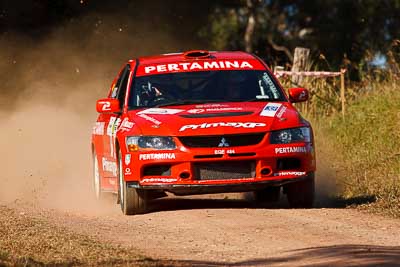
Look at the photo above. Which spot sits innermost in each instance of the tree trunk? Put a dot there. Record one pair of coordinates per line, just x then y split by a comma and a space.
251, 23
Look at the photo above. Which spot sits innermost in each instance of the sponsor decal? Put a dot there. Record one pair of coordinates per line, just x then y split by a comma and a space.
223, 151
290, 149
160, 111
215, 109
196, 110
126, 125
98, 128
281, 112
222, 124
200, 65
156, 156
127, 159
128, 171
213, 105
224, 109
111, 130
270, 84
270, 109
291, 173
113, 126
109, 166
159, 180
148, 118
110, 125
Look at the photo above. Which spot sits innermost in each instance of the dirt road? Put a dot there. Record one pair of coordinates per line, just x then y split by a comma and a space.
227, 230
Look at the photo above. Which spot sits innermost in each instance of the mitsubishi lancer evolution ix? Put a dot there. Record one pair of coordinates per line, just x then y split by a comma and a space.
201, 122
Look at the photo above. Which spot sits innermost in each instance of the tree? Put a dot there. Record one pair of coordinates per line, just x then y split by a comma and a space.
337, 29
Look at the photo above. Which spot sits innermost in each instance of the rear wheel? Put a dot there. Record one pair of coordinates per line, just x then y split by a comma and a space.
132, 200
301, 194
267, 195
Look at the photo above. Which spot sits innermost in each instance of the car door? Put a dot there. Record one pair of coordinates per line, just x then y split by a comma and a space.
108, 161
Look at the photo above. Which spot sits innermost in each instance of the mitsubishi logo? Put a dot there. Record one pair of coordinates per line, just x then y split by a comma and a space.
223, 143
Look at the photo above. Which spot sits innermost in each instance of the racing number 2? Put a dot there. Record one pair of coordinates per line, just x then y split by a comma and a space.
106, 105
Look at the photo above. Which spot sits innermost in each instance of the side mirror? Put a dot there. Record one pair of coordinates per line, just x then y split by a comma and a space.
108, 105
298, 95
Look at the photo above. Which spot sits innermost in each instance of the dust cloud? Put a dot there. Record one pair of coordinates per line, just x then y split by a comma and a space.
47, 105
325, 181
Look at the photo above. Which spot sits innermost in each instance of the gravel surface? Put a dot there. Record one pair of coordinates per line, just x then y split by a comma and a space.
204, 231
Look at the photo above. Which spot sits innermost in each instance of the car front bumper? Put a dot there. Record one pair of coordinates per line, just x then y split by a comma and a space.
193, 189
217, 170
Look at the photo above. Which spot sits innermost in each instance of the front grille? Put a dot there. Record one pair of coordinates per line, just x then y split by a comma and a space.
230, 140
224, 170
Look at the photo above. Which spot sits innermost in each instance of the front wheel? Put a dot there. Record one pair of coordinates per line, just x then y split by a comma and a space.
132, 201
301, 194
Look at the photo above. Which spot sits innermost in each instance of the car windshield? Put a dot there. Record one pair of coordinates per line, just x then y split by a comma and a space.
203, 87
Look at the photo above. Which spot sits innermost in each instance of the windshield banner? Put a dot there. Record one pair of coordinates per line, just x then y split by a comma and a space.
199, 65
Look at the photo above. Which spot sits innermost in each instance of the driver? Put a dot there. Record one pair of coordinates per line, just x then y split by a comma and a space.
149, 94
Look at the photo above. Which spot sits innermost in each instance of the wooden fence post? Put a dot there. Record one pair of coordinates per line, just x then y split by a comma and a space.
342, 89
300, 61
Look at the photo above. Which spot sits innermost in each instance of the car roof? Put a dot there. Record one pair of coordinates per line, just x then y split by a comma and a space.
183, 56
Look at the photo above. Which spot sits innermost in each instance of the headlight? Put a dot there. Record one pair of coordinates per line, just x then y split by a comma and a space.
293, 135
135, 143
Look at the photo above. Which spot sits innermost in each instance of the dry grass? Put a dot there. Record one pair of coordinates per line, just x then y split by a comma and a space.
365, 148
324, 96
28, 241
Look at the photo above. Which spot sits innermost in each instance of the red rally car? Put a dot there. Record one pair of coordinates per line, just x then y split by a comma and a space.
201, 122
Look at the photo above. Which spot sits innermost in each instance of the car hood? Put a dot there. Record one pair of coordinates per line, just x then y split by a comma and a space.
216, 119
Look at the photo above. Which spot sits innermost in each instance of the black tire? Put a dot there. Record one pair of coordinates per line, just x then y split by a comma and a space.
132, 200
301, 194
96, 178
267, 195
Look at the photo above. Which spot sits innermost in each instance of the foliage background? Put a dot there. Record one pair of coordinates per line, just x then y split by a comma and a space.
345, 32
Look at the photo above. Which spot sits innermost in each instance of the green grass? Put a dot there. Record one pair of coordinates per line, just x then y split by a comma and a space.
365, 148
